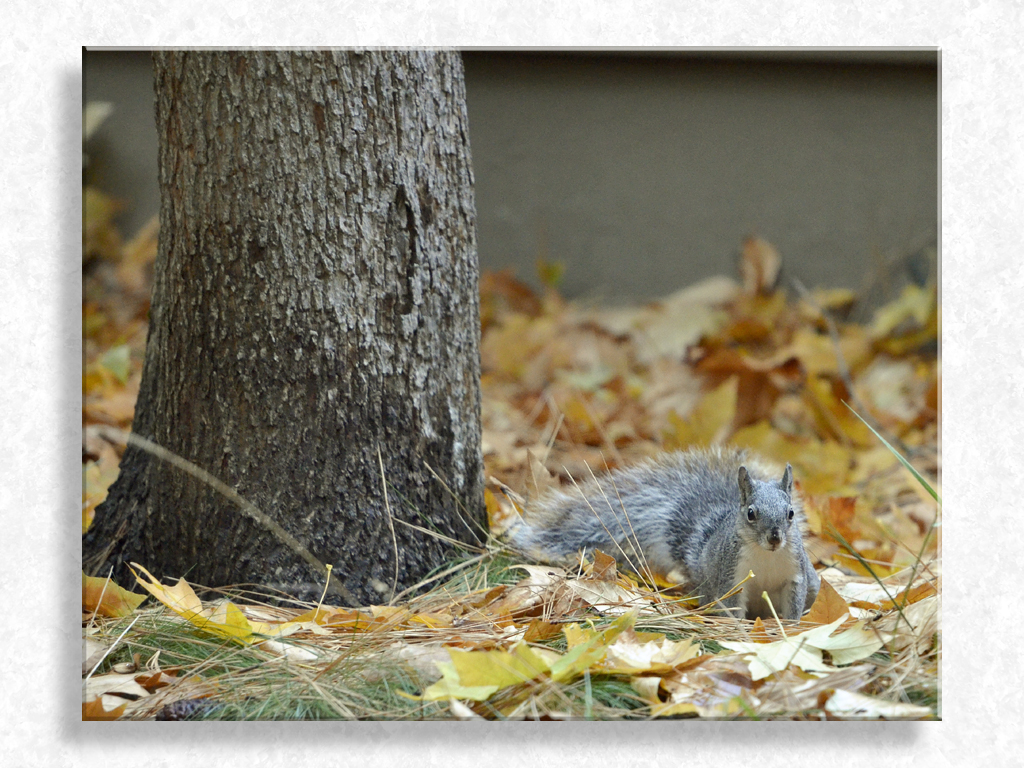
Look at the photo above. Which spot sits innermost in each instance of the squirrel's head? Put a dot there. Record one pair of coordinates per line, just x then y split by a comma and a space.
766, 509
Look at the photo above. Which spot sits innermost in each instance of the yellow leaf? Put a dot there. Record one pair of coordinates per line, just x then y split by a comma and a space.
897, 388
116, 601
223, 620
509, 350
476, 675
495, 514
647, 687
714, 686
872, 463
708, 421
821, 467
449, 687
591, 650
817, 352
500, 668
543, 480
834, 417
669, 709
833, 298
578, 414
96, 481
914, 303
434, 620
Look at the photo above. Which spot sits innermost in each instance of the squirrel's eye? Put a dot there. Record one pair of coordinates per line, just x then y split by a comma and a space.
751, 514
792, 513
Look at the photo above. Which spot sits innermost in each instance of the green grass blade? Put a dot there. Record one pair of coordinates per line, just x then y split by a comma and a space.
898, 455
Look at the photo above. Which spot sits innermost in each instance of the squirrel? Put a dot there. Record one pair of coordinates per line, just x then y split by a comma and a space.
705, 518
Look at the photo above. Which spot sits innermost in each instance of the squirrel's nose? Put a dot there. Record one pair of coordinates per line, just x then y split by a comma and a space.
774, 539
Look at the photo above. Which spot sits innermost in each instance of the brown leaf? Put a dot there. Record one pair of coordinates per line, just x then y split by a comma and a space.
501, 293
838, 517
603, 568
828, 606
94, 710
761, 380
539, 630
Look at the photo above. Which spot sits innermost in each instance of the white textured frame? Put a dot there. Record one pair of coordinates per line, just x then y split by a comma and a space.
982, 201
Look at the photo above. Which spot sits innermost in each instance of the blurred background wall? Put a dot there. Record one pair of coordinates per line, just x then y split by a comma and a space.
642, 171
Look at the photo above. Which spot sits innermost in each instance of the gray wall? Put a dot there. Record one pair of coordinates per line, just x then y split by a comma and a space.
123, 152
643, 172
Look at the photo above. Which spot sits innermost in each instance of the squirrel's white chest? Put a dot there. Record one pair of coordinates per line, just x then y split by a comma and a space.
774, 573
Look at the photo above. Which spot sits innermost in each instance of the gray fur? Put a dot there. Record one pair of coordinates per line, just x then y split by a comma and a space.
687, 514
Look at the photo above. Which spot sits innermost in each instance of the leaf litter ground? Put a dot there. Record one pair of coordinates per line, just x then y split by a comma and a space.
568, 390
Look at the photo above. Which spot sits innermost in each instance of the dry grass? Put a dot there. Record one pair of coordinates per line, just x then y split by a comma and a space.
378, 671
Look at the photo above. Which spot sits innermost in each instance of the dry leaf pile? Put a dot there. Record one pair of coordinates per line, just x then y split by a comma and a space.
529, 649
585, 390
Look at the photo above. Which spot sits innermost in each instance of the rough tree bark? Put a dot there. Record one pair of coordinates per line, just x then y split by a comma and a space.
315, 301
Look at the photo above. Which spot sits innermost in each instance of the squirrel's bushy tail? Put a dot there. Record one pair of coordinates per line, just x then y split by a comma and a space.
642, 515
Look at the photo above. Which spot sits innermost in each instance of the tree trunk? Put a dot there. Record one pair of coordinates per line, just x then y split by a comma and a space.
315, 302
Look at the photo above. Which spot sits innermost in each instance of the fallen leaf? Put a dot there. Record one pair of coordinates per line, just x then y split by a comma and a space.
853, 644
223, 619
543, 481
709, 421
96, 481
461, 712
630, 654
112, 683
793, 691
117, 602
804, 650
588, 647
828, 606
96, 709
914, 305
539, 630
610, 598
477, 675
768, 658
716, 687
894, 388
923, 618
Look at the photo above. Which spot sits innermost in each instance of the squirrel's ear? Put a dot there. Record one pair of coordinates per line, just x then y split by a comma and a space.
787, 480
746, 487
